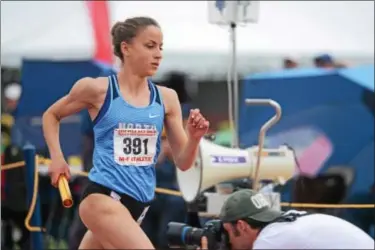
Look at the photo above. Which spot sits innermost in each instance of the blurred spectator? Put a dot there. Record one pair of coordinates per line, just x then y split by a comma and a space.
324, 61
340, 65
324, 188
6, 225
290, 63
7, 122
13, 207
12, 94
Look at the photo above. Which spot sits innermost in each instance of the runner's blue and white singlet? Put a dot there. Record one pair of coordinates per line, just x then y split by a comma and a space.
127, 143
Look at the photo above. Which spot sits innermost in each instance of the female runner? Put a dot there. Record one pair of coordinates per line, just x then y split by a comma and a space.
128, 113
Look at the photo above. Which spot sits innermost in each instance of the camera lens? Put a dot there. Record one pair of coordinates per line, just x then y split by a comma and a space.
180, 234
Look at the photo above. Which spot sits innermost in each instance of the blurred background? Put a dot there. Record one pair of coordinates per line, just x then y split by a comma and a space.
316, 59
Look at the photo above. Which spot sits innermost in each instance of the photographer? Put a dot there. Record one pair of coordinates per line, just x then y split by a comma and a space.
250, 223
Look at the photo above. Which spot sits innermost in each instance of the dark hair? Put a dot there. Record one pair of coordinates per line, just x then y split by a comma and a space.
255, 224
127, 30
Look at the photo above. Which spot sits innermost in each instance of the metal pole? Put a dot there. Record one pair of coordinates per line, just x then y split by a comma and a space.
236, 86
262, 133
230, 98
233, 27
36, 238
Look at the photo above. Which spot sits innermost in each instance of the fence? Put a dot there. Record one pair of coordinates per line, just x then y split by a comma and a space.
32, 162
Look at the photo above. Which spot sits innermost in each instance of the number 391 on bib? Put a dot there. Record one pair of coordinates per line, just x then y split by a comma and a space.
134, 147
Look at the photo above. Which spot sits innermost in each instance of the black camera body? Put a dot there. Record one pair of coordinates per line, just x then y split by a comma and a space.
180, 234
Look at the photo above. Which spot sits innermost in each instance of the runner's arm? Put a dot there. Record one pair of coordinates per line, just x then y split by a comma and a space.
77, 99
184, 149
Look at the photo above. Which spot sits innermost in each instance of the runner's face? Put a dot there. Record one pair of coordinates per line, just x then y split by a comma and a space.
145, 51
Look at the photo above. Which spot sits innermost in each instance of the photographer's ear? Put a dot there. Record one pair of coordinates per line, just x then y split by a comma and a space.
231, 228
242, 225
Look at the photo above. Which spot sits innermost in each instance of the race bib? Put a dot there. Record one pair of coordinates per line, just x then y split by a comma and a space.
135, 147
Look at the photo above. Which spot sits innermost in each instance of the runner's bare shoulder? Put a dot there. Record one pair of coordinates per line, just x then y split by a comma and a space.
91, 90
170, 99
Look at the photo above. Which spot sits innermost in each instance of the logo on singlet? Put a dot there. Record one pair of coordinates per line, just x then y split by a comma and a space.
135, 144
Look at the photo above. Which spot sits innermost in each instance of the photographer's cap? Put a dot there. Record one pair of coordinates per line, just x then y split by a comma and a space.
247, 203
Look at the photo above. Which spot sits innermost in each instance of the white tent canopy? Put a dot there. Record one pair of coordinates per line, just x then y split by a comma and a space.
45, 30
62, 31
284, 27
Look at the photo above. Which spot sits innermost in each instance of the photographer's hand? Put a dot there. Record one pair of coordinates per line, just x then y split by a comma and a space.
204, 244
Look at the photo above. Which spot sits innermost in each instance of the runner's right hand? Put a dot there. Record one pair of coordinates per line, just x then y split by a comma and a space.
56, 169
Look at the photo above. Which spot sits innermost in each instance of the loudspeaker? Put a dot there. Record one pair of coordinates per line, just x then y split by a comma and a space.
215, 164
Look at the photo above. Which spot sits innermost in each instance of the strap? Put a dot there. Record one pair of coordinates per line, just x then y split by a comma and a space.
115, 93
291, 216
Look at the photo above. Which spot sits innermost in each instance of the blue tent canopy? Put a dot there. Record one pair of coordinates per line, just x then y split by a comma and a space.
363, 75
326, 114
44, 82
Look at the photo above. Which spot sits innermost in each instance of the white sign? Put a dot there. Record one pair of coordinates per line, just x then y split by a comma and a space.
274, 199
259, 201
227, 12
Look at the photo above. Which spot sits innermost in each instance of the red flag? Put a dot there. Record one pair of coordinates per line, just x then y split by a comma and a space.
99, 14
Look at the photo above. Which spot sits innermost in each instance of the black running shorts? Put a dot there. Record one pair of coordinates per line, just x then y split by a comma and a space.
136, 208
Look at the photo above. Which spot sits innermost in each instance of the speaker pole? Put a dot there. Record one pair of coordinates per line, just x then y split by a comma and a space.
263, 130
231, 13
234, 73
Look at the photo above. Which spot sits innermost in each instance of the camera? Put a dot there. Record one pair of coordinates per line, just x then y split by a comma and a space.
180, 234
